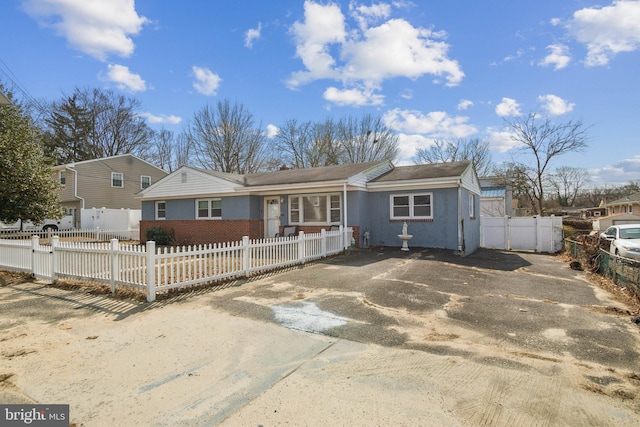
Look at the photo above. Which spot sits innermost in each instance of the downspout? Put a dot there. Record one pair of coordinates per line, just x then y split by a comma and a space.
344, 197
75, 194
460, 230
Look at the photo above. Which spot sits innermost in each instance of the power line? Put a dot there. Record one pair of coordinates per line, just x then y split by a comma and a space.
16, 84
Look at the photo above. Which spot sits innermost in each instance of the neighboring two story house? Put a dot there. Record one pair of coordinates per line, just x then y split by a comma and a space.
439, 202
109, 182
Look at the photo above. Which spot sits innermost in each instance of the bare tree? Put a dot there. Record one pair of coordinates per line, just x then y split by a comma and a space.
225, 139
366, 139
93, 123
474, 150
293, 142
543, 142
567, 183
307, 144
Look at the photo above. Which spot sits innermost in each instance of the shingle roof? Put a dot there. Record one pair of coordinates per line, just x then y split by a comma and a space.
297, 176
630, 198
428, 171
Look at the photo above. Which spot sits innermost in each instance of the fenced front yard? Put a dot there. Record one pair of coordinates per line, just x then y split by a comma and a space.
156, 270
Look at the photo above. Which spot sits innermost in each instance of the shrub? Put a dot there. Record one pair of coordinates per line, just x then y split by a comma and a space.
160, 236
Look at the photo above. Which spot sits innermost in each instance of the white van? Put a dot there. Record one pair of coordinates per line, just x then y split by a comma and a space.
64, 223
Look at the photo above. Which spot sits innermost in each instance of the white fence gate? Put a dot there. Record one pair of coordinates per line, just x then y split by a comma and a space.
540, 234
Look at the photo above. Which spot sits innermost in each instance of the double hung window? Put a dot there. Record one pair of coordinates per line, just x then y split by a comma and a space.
208, 208
411, 206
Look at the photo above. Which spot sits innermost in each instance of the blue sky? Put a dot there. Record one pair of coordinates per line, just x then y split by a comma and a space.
431, 69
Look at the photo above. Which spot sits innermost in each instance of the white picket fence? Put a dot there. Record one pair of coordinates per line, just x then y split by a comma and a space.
145, 268
540, 234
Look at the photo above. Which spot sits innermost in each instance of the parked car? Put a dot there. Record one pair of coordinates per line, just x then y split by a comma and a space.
624, 240
64, 223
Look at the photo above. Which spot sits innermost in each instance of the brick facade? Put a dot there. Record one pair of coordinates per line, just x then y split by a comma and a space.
200, 232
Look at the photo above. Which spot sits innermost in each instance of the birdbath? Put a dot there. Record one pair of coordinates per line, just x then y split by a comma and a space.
405, 238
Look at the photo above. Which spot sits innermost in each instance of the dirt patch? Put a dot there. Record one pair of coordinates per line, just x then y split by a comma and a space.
8, 278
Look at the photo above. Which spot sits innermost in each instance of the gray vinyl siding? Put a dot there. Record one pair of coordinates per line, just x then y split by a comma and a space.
471, 227
442, 232
240, 207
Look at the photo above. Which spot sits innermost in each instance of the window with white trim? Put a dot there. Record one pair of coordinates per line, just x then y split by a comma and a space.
117, 179
208, 208
145, 181
62, 178
411, 206
161, 210
315, 209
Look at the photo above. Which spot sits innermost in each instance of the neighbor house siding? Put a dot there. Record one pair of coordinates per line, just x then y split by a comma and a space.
94, 182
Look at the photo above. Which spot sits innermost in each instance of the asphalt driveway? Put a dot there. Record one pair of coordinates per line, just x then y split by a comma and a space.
433, 300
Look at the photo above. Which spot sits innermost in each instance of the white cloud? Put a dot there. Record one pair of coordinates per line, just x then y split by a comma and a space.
607, 31
558, 57
161, 118
367, 15
436, 124
251, 35
517, 55
364, 57
207, 82
353, 97
407, 94
500, 139
508, 107
621, 172
408, 144
322, 26
125, 79
554, 105
464, 104
272, 130
98, 28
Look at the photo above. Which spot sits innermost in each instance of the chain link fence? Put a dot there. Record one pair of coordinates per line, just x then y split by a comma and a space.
622, 271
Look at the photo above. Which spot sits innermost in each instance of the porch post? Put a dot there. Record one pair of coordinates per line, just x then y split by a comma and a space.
344, 197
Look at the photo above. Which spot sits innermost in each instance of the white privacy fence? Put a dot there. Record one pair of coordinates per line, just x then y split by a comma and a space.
145, 268
540, 234
96, 234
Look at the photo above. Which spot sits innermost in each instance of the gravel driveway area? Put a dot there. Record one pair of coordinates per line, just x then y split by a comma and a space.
371, 337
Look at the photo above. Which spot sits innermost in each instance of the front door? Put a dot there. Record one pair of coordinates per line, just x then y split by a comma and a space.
272, 216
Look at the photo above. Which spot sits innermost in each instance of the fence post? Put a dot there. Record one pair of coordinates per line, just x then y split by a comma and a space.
343, 237
151, 271
55, 242
323, 243
301, 247
35, 242
115, 268
246, 262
